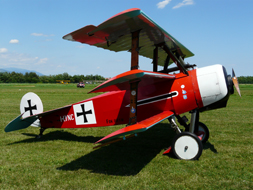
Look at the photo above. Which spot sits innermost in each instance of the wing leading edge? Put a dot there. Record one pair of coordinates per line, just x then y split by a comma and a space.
115, 34
138, 127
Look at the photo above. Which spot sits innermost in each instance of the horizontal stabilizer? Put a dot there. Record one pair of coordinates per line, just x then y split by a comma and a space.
19, 123
121, 82
138, 127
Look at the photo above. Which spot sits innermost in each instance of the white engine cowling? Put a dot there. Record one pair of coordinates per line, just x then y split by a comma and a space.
214, 86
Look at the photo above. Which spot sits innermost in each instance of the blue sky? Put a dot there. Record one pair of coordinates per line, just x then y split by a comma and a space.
216, 31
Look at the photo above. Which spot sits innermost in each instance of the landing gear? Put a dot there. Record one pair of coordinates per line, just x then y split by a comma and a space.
196, 127
203, 130
41, 133
187, 146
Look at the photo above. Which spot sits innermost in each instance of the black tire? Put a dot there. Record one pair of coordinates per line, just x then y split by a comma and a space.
187, 146
202, 127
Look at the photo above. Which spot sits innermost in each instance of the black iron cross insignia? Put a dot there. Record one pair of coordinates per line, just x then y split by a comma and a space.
84, 113
30, 107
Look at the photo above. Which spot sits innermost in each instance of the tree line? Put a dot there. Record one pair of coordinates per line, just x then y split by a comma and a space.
32, 77
245, 80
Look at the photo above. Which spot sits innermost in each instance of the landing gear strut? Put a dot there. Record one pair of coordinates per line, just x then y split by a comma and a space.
41, 133
199, 128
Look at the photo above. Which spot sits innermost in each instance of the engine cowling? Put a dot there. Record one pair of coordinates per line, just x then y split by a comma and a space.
215, 86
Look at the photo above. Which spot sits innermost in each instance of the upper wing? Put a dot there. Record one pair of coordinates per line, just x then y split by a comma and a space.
121, 82
138, 127
115, 34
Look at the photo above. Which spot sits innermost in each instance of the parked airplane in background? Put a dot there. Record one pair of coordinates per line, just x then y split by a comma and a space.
140, 99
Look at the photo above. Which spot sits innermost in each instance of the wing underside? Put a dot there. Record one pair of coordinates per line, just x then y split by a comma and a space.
138, 127
115, 34
121, 82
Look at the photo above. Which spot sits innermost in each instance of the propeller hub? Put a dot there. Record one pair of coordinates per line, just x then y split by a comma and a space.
230, 84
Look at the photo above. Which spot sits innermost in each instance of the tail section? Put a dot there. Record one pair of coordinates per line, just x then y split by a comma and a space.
30, 105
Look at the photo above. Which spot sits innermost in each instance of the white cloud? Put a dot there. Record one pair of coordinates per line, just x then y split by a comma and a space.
18, 60
41, 61
162, 4
14, 41
3, 50
40, 34
37, 34
184, 3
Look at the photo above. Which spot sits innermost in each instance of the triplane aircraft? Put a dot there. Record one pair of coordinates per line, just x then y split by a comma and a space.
140, 99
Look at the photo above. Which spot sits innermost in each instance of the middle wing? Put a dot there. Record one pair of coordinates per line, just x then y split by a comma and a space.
121, 82
138, 127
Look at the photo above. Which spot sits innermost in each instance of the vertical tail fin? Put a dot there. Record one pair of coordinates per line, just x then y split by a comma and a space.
30, 105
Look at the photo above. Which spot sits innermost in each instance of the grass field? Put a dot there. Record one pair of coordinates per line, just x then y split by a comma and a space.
65, 159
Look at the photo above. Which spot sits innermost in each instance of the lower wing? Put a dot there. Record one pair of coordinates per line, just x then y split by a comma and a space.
138, 127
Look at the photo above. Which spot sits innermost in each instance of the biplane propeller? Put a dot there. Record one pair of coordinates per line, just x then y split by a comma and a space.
140, 99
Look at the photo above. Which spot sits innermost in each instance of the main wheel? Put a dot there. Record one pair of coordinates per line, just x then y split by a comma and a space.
187, 146
202, 128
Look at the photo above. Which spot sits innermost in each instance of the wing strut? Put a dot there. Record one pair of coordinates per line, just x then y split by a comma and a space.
135, 50
134, 83
177, 60
155, 59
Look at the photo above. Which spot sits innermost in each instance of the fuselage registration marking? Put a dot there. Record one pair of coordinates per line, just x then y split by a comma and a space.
67, 118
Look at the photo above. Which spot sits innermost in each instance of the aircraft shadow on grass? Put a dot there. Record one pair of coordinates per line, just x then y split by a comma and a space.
122, 158
127, 157
58, 135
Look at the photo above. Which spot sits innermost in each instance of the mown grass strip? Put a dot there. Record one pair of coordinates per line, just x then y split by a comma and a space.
65, 159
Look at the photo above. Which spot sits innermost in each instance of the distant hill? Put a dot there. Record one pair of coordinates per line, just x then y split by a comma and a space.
2, 71
17, 70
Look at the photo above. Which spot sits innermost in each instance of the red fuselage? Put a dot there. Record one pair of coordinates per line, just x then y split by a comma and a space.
178, 95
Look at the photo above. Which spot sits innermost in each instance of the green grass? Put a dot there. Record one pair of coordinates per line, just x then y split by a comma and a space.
65, 159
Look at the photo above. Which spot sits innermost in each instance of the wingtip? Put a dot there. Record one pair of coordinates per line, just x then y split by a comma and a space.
68, 37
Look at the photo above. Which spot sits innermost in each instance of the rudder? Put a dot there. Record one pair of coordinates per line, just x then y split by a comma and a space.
30, 104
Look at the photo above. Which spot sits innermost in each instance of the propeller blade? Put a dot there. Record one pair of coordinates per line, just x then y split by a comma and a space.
236, 83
